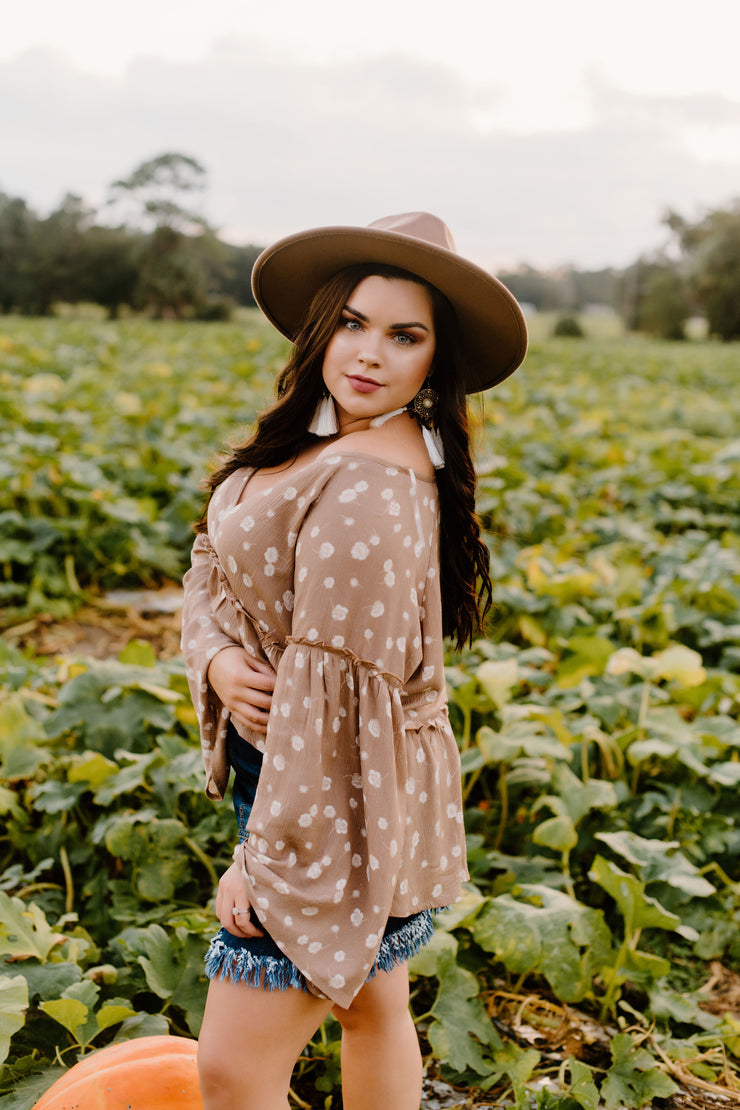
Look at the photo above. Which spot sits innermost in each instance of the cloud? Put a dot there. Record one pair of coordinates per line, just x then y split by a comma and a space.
289, 145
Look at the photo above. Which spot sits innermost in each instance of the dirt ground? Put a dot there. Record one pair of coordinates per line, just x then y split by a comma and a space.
102, 630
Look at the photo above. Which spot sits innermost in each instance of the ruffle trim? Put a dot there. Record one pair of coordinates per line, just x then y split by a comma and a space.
239, 964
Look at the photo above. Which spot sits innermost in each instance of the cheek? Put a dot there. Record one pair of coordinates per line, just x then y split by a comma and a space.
330, 355
423, 366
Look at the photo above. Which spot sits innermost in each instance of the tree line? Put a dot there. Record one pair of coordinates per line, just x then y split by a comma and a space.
150, 250
696, 274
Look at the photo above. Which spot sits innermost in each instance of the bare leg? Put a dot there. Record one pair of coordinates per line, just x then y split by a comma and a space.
381, 1060
249, 1043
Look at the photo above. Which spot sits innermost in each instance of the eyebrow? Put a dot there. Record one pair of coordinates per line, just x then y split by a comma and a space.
393, 327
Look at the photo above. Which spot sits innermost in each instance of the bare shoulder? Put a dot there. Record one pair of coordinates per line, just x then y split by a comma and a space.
401, 445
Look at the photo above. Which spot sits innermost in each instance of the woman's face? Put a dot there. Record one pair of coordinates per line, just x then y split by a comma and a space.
382, 351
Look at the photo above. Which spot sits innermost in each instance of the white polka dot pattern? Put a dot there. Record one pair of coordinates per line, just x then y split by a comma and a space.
358, 808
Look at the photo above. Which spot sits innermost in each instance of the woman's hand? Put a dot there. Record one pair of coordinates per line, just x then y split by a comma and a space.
231, 897
244, 685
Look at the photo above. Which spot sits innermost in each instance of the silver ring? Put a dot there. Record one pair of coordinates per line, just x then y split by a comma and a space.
236, 912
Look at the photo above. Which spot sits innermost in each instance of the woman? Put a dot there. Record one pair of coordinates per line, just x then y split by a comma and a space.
339, 545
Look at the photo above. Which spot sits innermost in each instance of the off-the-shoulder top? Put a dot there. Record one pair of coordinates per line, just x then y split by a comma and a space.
332, 575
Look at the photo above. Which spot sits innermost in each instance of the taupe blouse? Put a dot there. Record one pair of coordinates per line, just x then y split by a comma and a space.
332, 575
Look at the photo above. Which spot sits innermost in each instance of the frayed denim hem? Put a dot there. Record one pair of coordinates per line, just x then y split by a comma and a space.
398, 947
234, 958
240, 965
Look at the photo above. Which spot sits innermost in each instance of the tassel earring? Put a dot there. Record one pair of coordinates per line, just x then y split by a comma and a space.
324, 420
424, 406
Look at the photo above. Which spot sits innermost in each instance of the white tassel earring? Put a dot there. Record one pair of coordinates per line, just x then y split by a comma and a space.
436, 452
324, 420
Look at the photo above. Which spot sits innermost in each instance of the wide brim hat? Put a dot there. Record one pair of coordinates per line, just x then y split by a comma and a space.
492, 328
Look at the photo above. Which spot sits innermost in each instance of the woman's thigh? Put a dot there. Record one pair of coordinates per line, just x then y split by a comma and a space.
380, 1001
248, 1032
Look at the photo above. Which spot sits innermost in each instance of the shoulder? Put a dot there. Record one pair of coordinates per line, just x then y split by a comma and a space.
394, 446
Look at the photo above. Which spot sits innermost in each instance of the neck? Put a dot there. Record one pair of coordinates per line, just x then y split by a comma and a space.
361, 424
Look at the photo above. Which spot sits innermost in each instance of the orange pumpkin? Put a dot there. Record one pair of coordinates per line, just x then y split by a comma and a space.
146, 1073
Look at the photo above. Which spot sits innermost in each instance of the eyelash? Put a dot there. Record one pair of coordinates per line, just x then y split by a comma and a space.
347, 322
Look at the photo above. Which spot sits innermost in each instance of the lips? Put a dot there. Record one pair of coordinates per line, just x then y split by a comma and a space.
363, 385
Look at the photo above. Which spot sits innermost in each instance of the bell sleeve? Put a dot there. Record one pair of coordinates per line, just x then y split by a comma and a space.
202, 638
343, 787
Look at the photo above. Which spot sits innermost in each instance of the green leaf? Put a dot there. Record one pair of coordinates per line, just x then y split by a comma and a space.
681, 664
637, 908
659, 860
143, 1025
498, 677
460, 911
551, 934
512, 1061
588, 655
139, 653
24, 930
92, 769
49, 980
173, 966
495, 747
461, 1030
582, 1087
112, 1015
509, 929
13, 1006
633, 1080
21, 740
557, 833
427, 960
27, 1091
69, 1012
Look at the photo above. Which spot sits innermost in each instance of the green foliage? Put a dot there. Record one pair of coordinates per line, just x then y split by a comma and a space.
711, 248
597, 719
164, 257
104, 440
108, 860
664, 306
567, 327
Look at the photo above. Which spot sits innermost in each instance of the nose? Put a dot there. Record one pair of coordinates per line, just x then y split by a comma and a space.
369, 352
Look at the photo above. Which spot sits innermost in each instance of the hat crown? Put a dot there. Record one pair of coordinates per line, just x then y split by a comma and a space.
419, 225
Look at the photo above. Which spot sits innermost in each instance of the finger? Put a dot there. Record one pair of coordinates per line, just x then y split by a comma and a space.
248, 695
259, 665
254, 720
255, 680
241, 925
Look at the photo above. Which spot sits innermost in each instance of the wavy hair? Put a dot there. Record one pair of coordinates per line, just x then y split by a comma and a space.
280, 435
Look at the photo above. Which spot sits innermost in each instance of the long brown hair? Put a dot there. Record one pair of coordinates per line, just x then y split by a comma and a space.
281, 435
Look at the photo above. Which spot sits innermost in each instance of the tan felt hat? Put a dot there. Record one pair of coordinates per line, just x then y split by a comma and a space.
492, 327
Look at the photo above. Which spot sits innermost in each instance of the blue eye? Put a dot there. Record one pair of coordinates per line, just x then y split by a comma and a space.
349, 323
405, 340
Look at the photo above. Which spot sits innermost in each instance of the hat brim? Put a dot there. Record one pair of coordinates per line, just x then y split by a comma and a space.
492, 326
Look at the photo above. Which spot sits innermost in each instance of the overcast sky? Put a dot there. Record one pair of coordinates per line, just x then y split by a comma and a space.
542, 132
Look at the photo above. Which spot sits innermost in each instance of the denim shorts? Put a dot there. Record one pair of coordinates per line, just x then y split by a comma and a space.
257, 961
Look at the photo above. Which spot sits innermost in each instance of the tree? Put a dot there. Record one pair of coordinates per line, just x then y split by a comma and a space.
108, 267
663, 308
172, 274
711, 249
155, 191
17, 233
57, 254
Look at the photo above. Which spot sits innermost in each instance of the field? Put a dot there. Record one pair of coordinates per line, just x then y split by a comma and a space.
595, 959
